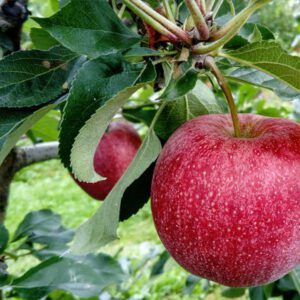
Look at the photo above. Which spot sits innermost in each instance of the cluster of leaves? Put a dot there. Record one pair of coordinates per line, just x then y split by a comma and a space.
42, 235
91, 64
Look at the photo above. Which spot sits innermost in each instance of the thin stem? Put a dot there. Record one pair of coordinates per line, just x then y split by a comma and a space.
168, 11
178, 7
239, 20
147, 10
114, 5
232, 8
161, 108
210, 64
202, 6
198, 19
210, 4
217, 7
152, 22
121, 11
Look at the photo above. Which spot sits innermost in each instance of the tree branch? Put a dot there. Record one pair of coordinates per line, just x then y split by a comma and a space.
20, 158
26, 156
6, 176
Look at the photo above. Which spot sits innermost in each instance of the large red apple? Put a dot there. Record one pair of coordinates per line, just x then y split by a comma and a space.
228, 209
113, 155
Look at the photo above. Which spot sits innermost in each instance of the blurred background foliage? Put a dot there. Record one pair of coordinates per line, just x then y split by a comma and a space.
150, 274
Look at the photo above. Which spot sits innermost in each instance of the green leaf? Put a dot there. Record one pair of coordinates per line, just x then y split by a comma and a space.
158, 267
46, 128
136, 195
4, 237
82, 276
43, 228
15, 123
63, 3
258, 78
102, 227
141, 52
269, 57
54, 4
101, 87
42, 39
257, 293
32, 78
191, 282
268, 289
199, 101
251, 30
4, 277
140, 114
295, 275
250, 33
286, 283
89, 28
180, 86
256, 35
233, 292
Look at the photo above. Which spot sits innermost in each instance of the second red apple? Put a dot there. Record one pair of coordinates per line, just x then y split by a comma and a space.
114, 154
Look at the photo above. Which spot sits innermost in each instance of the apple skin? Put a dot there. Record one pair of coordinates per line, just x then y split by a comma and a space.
113, 155
228, 209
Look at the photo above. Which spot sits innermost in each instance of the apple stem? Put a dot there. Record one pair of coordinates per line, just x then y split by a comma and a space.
210, 64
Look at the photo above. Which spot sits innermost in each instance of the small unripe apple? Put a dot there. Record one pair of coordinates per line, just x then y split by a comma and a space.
226, 208
113, 155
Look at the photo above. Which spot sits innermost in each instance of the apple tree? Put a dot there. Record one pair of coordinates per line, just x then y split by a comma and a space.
159, 64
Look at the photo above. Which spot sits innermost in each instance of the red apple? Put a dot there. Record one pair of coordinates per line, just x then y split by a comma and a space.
113, 155
228, 209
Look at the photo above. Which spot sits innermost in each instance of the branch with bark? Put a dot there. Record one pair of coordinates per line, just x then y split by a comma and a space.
18, 159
